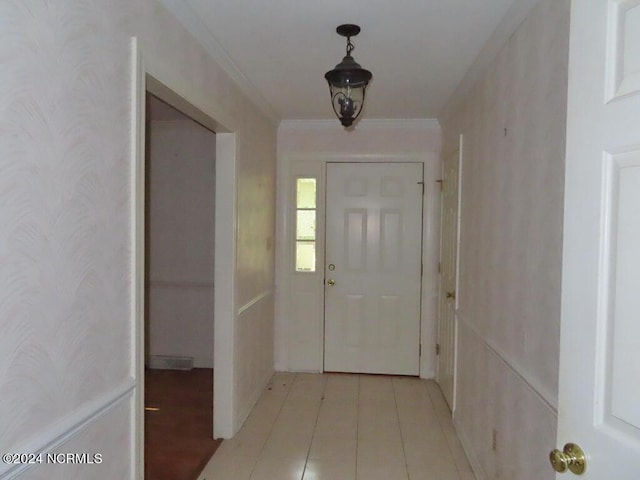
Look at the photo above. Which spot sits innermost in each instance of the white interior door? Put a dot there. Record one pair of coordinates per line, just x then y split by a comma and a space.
448, 274
373, 267
599, 403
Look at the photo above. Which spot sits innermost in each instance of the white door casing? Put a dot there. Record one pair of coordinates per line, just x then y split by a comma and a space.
599, 397
374, 241
448, 296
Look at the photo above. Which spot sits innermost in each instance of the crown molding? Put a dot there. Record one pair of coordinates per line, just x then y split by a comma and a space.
185, 14
364, 124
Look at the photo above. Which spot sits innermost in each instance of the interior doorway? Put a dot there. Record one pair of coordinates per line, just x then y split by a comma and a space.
179, 293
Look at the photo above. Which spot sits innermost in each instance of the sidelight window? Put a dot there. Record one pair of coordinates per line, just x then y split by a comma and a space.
305, 224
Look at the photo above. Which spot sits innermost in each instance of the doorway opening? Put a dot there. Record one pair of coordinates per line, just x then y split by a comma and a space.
180, 156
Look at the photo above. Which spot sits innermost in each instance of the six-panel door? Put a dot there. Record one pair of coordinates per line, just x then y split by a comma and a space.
373, 267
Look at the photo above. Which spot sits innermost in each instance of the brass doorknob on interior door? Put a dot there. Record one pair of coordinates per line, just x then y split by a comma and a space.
331, 282
570, 458
451, 294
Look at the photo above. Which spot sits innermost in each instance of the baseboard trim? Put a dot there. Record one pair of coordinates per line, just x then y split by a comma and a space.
62, 431
478, 471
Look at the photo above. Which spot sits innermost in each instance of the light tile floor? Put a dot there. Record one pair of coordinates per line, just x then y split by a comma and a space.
344, 427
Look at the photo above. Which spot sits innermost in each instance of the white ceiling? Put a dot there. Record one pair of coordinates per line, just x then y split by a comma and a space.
279, 50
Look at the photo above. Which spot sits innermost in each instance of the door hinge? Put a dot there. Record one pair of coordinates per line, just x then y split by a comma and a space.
421, 269
422, 184
437, 349
420, 350
439, 267
441, 182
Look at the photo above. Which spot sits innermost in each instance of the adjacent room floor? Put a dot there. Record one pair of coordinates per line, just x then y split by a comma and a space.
178, 423
344, 427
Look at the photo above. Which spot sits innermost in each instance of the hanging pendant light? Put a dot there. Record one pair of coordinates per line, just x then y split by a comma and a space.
348, 81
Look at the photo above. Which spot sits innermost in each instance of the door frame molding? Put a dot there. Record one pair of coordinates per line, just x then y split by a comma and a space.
292, 165
152, 73
459, 150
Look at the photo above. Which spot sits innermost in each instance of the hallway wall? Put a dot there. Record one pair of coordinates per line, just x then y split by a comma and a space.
67, 370
513, 121
181, 172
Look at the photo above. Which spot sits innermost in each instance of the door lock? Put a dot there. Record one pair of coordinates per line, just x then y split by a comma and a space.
331, 282
571, 458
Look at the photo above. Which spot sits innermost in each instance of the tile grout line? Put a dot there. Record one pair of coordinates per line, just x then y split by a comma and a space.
404, 453
264, 445
315, 425
446, 437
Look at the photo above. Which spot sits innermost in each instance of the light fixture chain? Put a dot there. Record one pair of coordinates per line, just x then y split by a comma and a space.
350, 46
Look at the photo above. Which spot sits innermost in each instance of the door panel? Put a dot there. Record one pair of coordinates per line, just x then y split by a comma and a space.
374, 243
600, 339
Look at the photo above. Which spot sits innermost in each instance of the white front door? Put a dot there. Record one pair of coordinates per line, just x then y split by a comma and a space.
448, 275
373, 267
599, 402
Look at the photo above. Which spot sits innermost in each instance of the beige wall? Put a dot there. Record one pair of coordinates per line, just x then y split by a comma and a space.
368, 137
513, 121
65, 243
181, 172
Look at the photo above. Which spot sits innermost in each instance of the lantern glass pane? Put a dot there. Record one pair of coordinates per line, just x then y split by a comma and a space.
347, 101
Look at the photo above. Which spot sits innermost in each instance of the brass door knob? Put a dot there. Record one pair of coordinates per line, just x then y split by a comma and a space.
571, 458
331, 282
451, 294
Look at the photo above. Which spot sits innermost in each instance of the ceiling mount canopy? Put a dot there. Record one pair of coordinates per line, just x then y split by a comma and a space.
348, 81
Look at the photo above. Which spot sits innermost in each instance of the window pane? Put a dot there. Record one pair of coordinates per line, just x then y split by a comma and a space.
305, 256
306, 225
306, 193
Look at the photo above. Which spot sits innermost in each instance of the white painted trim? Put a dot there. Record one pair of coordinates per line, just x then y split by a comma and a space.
430, 258
171, 86
536, 388
180, 284
364, 124
457, 288
137, 227
185, 102
196, 26
281, 345
224, 294
254, 301
61, 432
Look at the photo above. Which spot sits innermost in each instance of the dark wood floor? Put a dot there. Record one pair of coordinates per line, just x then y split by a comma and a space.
179, 436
